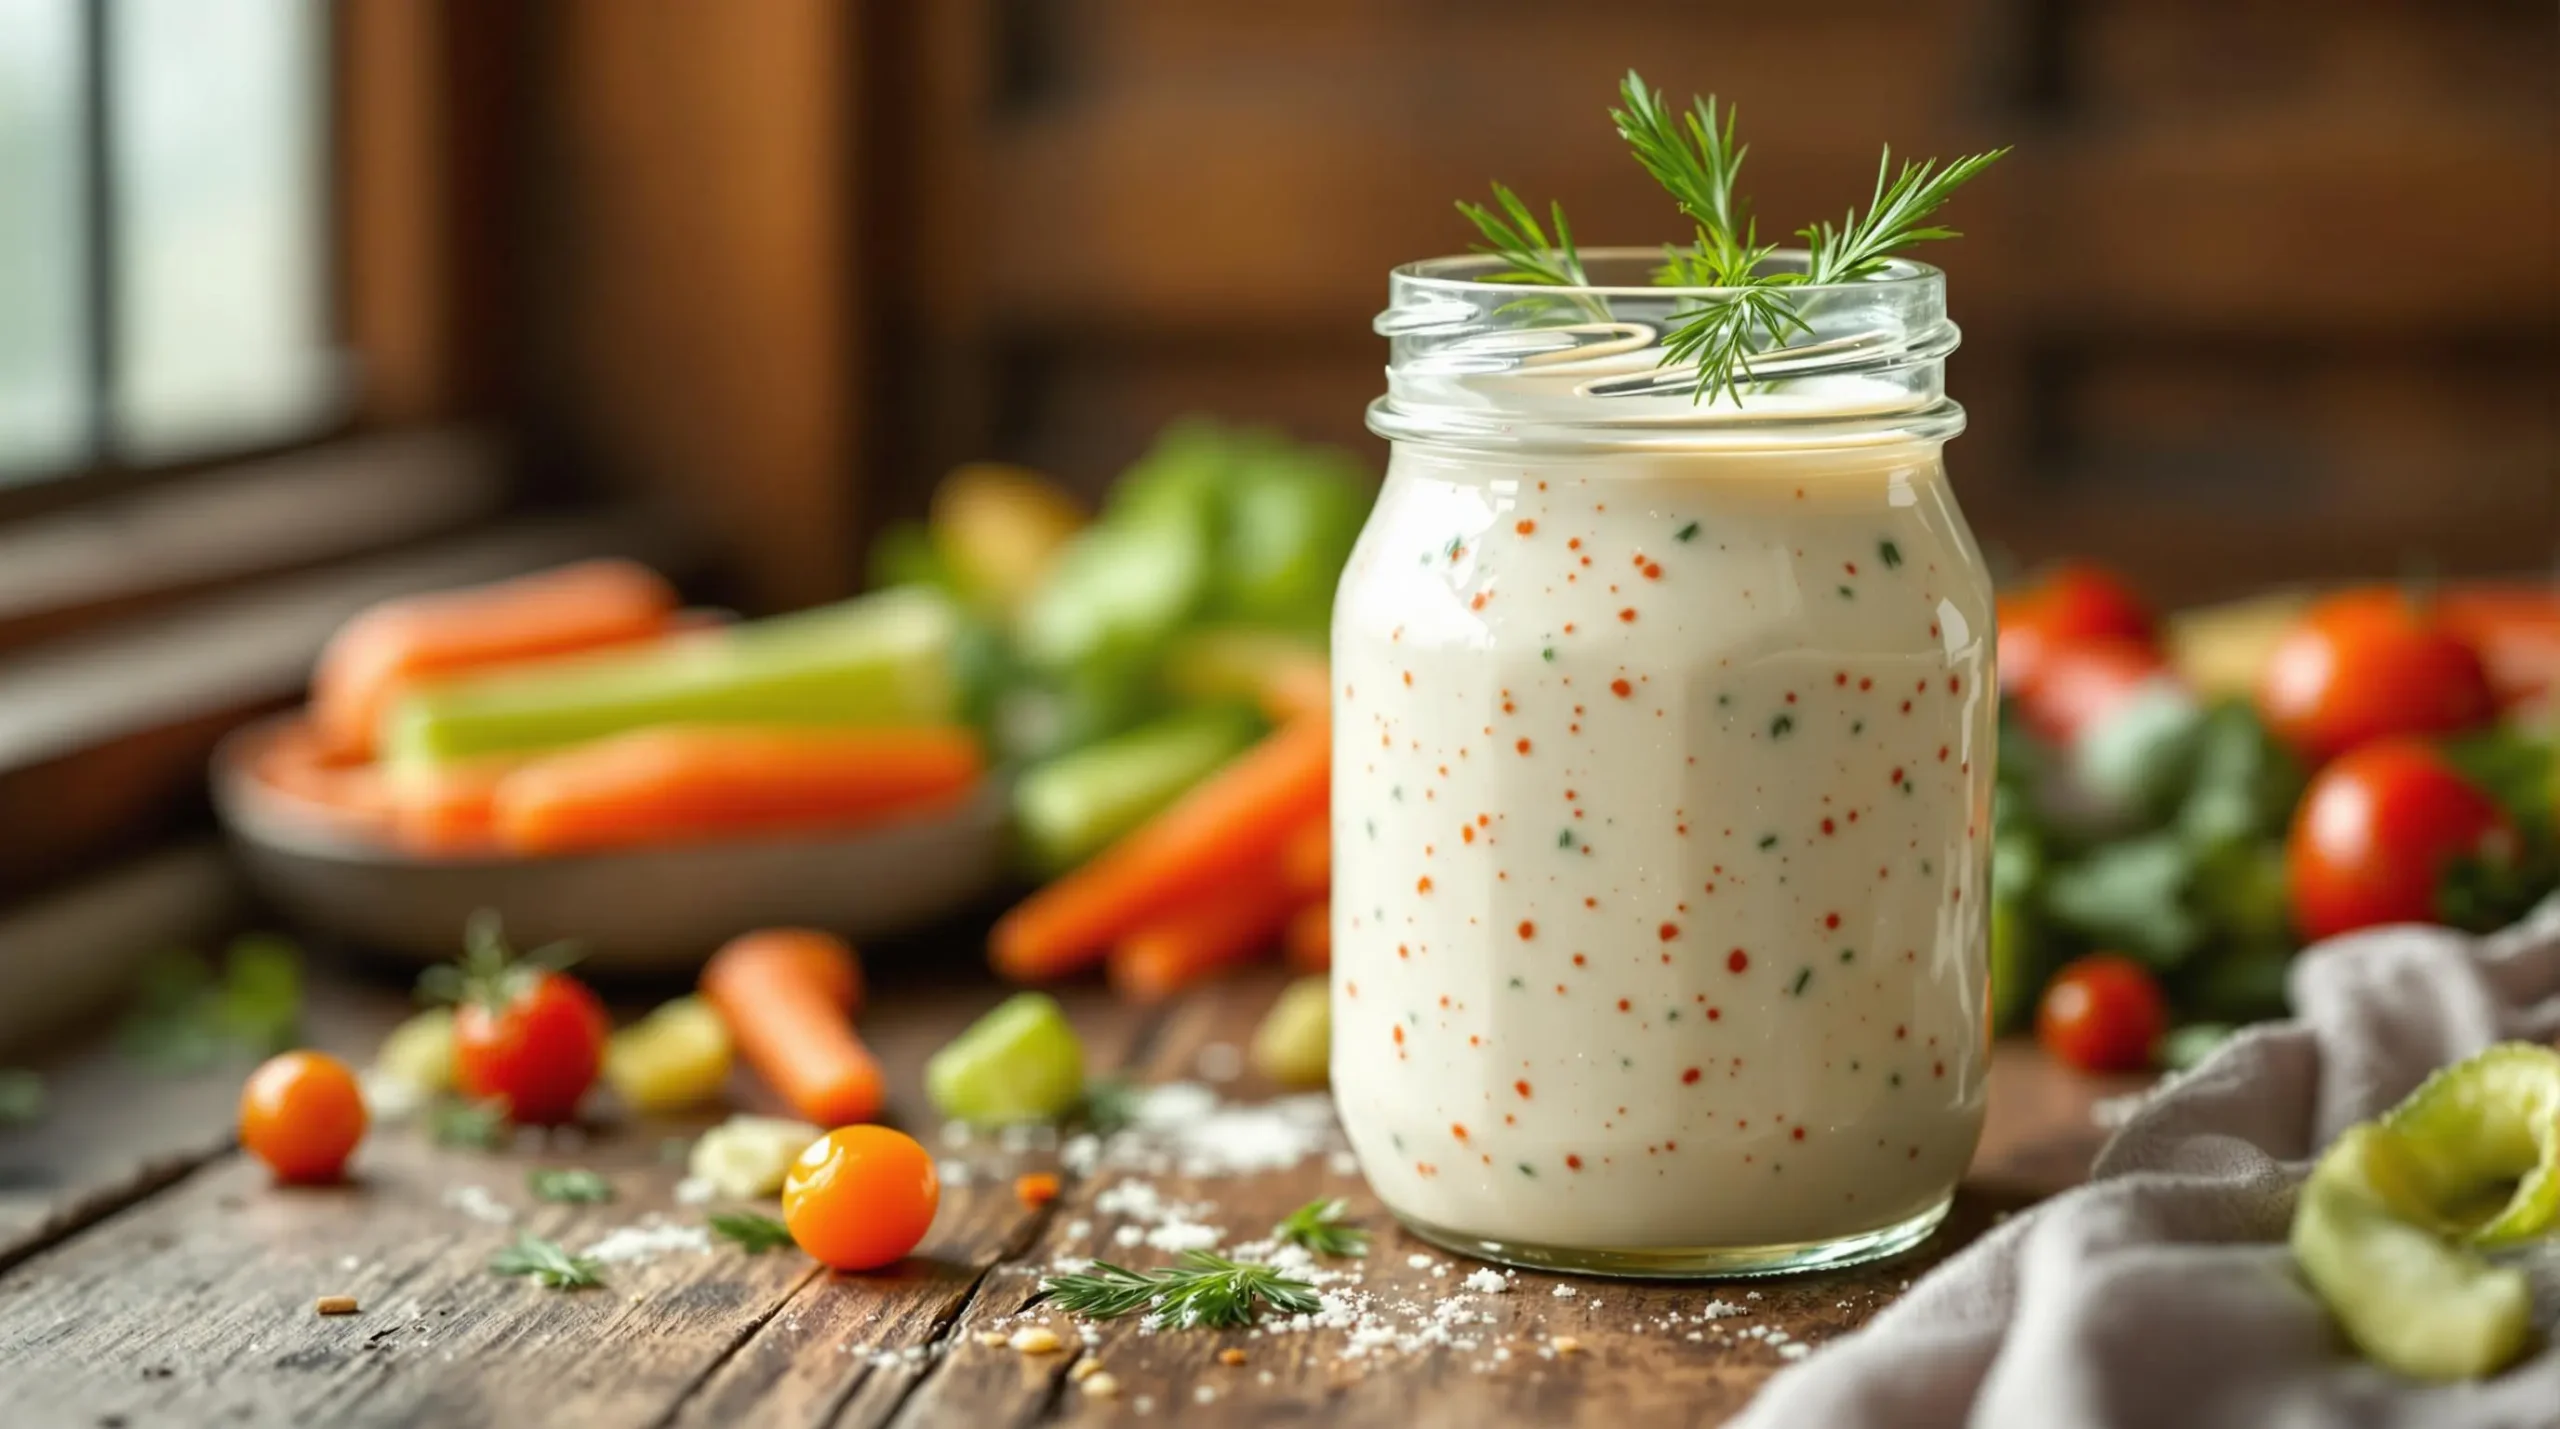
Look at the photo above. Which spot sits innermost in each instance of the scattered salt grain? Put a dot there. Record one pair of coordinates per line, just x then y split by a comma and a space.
649, 1240
695, 1191
1564, 1292
478, 1204
1078, 1230
1794, 1352
1204, 1395
953, 1173
349, 1262
1418, 1262
1488, 1281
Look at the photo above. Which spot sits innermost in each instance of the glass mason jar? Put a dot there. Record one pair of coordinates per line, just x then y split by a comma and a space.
1663, 742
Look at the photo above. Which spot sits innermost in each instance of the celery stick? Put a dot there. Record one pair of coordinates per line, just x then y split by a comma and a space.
884, 659
1071, 807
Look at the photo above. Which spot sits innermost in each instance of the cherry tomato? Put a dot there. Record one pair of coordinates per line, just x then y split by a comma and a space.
2074, 604
2102, 1013
533, 1041
2376, 832
2365, 664
302, 1114
2079, 686
861, 1197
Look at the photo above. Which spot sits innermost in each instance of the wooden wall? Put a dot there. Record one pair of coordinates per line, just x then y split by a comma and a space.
2270, 288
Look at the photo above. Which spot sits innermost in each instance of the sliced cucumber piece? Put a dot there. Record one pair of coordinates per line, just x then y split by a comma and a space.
1021, 1062
2482, 1139
2409, 1299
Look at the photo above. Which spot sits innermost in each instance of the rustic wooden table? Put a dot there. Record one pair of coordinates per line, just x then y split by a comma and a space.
150, 1275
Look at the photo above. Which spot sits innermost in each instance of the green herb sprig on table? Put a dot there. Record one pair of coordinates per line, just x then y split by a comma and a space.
1198, 1291
475, 1126
187, 1015
755, 1234
1695, 158
547, 1264
1321, 1226
568, 1185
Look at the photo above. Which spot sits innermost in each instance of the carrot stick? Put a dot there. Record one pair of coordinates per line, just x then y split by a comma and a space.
1221, 928
1306, 864
394, 645
774, 990
1228, 830
1309, 938
349, 798
450, 810
678, 784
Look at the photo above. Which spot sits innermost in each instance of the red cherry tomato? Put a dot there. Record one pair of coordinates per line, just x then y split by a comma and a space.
2366, 664
2074, 604
2375, 834
861, 1197
533, 1043
302, 1114
2102, 1013
2080, 685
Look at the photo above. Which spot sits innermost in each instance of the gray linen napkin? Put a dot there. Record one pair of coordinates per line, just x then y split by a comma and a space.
2162, 1293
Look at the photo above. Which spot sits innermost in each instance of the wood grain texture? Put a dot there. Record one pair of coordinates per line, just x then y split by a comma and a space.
189, 1301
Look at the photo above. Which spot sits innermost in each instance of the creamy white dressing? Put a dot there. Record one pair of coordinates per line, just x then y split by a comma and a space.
1661, 818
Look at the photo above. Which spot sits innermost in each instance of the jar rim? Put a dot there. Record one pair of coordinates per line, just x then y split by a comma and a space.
1464, 273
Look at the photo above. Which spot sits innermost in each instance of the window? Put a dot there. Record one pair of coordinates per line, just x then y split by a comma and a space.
164, 208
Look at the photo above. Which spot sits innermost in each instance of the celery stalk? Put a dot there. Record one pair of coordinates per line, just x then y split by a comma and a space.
881, 660
1072, 806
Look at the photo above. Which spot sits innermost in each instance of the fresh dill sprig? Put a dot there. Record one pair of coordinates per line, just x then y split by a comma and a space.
569, 1185
1200, 1290
1694, 155
547, 1264
755, 1234
1320, 1226
1895, 217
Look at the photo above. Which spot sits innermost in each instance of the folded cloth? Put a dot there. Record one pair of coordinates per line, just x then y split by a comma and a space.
2162, 1292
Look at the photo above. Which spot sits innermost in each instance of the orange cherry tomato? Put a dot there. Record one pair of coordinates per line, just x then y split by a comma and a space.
2365, 664
861, 1197
2074, 604
2102, 1013
302, 1114
2377, 831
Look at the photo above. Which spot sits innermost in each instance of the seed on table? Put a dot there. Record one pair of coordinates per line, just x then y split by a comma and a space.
335, 1305
1101, 1386
1565, 1345
1085, 1369
1037, 1340
1231, 1356
992, 1339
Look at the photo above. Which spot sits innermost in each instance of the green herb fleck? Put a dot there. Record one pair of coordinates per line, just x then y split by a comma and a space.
1857, 726
1396, 792
1200, 1290
1371, 825
1724, 701
547, 1264
488, 973
1457, 547
1548, 654
570, 1185
477, 1126
1782, 726
1848, 955
1527, 1170
1803, 977
1322, 1226
1894, 1080
1517, 984
1848, 594
1889, 553
1564, 838
1768, 840
755, 1234
1686, 533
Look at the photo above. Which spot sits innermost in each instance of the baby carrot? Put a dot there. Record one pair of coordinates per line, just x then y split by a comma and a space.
781, 1004
348, 797
451, 810
678, 784
1226, 926
1225, 832
391, 646
1309, 939
1306, 863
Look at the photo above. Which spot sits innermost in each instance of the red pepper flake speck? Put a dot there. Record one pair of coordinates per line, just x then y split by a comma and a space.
1528, 930
1621, 688
1865, 683
1422, 884
1669, 931
1525, 527
1467, 833
1458, 1130
1826, 826
1623, 1004
1574, 545
1628, 615
1799, 1133
1689, 1077
1522, 1088
1652, 570
1522, 746
1573, 1163
1737, 960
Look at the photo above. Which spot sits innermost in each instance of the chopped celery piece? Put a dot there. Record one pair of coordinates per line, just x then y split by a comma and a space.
1073, 806
1021, 1062
2383, 1225
1294, 1044
749, 1156
998, 529
883, 659
1117, 594
419, 1052
674, 1058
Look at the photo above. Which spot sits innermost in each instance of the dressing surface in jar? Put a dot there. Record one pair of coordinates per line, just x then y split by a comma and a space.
1662, 777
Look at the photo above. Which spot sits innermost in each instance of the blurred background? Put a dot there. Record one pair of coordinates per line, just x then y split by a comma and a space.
305, 304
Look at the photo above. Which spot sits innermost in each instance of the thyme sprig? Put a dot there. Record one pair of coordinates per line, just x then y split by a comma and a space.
1200, 1290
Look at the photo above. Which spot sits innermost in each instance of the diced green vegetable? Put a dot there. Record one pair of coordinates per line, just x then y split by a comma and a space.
1045, 715
1020, 1062
419, 1052
1071, 807
2473, 1155
1294, 1044
1117, 594
883, 659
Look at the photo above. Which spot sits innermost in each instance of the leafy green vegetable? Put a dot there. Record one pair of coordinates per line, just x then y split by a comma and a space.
1200, 1290
570, 1185
546, 1263
2132, 896
755, 1234
2244, 784
1322, 1226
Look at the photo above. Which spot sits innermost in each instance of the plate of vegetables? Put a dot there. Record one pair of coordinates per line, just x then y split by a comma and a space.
2183, 806
577, 751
